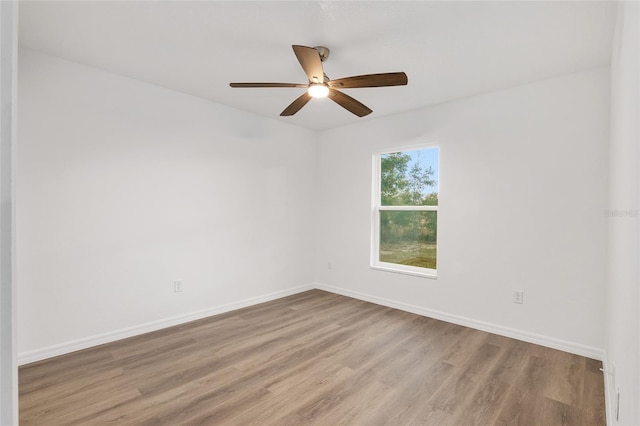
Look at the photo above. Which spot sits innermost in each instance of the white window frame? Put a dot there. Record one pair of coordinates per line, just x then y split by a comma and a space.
377, 207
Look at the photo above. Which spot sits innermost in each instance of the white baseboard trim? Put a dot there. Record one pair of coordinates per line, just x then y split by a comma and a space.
551, 342
609, 392
84, 343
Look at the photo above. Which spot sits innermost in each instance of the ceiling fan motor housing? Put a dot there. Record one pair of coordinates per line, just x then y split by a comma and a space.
323, 52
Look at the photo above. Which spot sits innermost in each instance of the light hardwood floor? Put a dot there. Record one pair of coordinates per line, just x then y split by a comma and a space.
318, 358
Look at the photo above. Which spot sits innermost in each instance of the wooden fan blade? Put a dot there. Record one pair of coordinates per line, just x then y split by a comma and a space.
296, 105
348, 103
267, 85
309, 58
371, 80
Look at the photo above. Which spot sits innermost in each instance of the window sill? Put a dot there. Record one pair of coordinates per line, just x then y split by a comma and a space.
407, 270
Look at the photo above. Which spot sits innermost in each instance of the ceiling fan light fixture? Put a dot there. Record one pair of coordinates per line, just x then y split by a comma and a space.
318, 90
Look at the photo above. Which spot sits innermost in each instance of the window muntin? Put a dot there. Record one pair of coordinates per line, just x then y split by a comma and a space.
406, 211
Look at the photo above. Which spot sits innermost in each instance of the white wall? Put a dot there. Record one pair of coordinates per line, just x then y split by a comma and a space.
523, 189
623, 279
8, 131
125, 186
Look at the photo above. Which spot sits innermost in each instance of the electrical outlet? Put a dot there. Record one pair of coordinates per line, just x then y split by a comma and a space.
518, 296
329, 265
177, 286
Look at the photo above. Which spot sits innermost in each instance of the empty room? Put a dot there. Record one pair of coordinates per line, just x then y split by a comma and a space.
282, 213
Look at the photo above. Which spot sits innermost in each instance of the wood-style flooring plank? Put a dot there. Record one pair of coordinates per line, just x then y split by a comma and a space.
314, 358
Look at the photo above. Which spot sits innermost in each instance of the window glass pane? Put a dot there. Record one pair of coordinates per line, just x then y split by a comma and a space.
408, 237
409, 178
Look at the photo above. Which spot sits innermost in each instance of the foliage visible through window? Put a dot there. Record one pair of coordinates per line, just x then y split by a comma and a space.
406, 210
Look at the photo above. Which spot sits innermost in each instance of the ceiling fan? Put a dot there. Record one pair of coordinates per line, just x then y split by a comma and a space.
321, 86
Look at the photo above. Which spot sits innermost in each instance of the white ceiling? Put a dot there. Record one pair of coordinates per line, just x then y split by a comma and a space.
449, 50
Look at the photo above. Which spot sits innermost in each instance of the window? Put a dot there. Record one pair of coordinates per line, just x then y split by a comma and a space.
405, 211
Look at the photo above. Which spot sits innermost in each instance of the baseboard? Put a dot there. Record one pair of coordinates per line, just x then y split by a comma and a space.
609, 391
84, 343
566, 346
